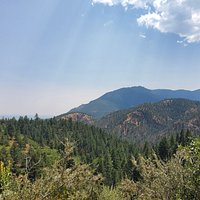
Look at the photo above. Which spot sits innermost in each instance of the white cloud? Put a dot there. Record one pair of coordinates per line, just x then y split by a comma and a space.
125, 3
142, 36
109, 23
180, 41
108, 2
181, 17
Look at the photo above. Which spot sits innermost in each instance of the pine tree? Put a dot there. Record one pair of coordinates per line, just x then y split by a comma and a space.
163, 149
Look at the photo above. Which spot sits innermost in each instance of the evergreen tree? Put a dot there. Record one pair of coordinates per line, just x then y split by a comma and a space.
163, 149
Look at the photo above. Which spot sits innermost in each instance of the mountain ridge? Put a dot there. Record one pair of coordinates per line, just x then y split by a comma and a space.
154, 120
128, 97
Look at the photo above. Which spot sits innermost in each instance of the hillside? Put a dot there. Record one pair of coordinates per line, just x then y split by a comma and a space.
42, 141
130, 97
38, 162
77, 117
153, 120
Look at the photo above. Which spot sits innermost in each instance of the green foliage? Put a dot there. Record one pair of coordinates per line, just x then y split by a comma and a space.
128, 188
31, 141
178, 178
110, 194
36, 163
4, 177
163, 149
191, 155
32, 145
167, 147
58, 182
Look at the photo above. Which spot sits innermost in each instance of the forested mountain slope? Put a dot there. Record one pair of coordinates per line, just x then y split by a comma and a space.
130, 97
38, 161
41, 141
31, 145
153, 120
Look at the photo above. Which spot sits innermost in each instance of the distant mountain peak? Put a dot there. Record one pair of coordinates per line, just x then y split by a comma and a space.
128, 97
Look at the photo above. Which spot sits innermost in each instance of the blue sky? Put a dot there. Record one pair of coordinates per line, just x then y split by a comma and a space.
57, 54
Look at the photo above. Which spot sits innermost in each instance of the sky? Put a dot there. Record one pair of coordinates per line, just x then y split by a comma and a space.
58, 54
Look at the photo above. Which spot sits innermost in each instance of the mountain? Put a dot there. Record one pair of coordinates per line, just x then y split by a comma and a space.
153, 120
125, 98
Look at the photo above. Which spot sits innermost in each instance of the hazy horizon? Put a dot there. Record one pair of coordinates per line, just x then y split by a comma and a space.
32, 115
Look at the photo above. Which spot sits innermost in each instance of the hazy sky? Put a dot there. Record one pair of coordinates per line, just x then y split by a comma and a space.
58, 54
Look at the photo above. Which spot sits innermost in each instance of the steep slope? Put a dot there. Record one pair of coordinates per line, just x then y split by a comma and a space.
153, 120
130, 97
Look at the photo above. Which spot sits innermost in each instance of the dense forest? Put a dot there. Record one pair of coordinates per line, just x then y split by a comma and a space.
33, 150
